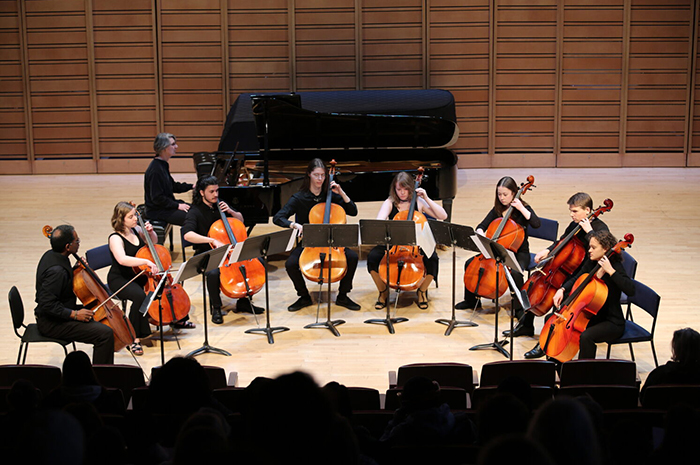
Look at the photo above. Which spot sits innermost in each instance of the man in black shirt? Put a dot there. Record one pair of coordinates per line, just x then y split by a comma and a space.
159, 186
58, 314
199, 219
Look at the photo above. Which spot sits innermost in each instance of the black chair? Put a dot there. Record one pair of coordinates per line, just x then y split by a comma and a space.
548, 230
162, 229
535, 372
599, 372
44, 377
184, 244
630, 266
31, 331
231, 397
539, 395
362, 398
124, 377
456, 398
609, 397
448, 374
216, 376
648, 300
664, 396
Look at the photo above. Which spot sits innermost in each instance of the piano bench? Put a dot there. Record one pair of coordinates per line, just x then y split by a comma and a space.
163, 229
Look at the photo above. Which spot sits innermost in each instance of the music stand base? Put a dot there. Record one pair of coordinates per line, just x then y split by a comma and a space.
452, 324
268, 331
493, 345
207, 349
330, 325
388, 322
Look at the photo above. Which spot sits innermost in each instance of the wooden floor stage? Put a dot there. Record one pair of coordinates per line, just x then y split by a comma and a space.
656, 205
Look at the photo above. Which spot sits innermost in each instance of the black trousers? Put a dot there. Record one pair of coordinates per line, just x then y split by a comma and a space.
175, 216
604, 331
213, 288
92, 332
135, 294
294, 272
471, 298
374, 258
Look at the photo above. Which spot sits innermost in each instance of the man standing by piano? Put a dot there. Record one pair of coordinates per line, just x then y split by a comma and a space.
159, 187
313, 191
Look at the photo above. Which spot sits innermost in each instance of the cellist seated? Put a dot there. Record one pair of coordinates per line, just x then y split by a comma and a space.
313, 191
58, 314
401, 194
609, 323
200, 217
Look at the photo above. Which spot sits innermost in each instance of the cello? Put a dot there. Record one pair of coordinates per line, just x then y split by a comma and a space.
562, 262
480, 275
406, 267
93, 293
240, 279
176, 304
312, 259
561, 333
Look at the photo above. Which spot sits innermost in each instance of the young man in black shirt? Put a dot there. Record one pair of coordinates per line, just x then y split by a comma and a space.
199, 219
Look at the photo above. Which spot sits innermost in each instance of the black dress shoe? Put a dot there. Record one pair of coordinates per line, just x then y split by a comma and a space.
245, 306
520, 330
466, 305
536, 352
345, 301
303, 301
216, 316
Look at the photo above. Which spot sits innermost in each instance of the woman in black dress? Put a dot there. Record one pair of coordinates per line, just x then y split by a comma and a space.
124, 242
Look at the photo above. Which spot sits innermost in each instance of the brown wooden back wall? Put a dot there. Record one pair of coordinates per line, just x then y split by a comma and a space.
86, 84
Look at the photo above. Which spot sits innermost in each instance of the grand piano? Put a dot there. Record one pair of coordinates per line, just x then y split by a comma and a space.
269, 139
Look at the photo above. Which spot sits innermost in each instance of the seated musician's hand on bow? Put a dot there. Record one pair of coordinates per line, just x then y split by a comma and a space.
84, 315
541, 255
153, 267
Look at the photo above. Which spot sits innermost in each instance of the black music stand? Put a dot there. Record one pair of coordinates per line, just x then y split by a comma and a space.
388, 233
201, 264
504, 259
157, 294
264, 246
453, 235
328, 235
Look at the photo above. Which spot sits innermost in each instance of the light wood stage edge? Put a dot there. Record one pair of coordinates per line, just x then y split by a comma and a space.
656, 205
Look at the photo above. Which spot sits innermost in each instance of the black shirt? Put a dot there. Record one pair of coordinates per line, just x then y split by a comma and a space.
301, 204
159, 187
117, 270
523, 253
617, 283
199, 219
54, 287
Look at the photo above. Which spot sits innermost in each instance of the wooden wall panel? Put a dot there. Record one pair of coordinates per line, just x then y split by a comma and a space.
393, 44
325, 47
87, 83
126, 82
525, 76
592, 63
660, 57
14, 156
59, 85
192, 73
458, 54
259, 46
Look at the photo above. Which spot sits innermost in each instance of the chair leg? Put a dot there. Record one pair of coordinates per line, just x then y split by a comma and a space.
26, 349
653, 351
19, 354
609, 347
632, 352
170, 236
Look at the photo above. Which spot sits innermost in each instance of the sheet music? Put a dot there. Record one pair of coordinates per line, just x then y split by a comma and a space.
425, 239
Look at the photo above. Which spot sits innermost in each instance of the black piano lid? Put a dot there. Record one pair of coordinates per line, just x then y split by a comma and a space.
240, 124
